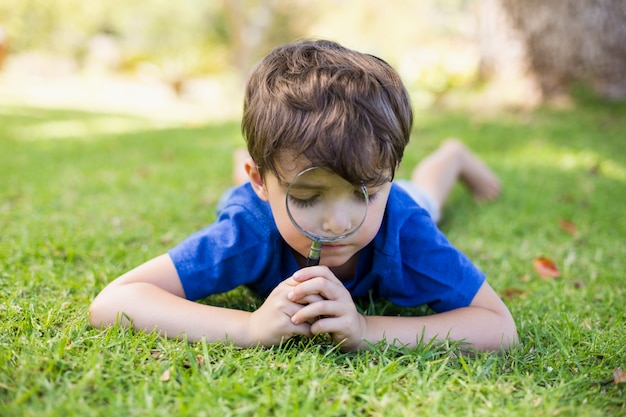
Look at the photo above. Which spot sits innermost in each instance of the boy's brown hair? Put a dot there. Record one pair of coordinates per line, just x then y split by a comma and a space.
340, 109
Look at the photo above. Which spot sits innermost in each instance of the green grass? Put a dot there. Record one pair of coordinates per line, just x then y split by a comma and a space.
84, 197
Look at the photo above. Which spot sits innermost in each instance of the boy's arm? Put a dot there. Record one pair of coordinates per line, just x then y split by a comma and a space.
151, 297
485, 324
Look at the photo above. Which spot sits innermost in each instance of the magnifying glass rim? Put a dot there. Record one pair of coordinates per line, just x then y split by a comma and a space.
313, 236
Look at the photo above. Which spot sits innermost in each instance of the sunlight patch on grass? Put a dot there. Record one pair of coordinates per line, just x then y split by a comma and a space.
539, 154
85, 128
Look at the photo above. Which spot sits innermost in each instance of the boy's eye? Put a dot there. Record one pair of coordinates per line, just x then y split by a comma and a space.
358, 193
303, 201
371, 194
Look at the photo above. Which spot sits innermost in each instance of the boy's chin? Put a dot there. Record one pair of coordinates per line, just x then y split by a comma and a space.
338, 261
333, 262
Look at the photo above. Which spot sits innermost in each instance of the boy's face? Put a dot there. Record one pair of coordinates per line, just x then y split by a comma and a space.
272, 190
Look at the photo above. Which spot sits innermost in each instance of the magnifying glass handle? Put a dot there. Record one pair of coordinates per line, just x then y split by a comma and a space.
314, 254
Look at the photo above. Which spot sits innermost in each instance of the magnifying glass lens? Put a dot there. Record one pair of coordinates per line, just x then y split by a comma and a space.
325, 207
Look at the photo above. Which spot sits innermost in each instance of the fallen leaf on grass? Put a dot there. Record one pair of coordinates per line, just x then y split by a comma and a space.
279, 365
619, 376
512, 292
546, 268
165, 376
568, 226
143, 172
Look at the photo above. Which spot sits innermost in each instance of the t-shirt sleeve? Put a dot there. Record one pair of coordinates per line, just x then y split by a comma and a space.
424, 267
222, 256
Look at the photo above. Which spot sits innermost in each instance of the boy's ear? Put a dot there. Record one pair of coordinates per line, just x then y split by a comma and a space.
255, 179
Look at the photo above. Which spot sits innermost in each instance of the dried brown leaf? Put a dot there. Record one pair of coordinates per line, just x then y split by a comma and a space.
165, 376
512, 292
200, 361
568, 226
619, 376
546, 268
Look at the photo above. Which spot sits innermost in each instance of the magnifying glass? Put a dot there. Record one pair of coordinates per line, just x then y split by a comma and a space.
325, 208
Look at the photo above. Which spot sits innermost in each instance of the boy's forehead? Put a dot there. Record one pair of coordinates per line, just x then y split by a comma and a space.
289, 165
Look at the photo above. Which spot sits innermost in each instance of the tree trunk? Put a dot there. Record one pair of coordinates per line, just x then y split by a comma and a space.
558, 41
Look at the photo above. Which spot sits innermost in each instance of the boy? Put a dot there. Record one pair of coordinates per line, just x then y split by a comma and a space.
316, 103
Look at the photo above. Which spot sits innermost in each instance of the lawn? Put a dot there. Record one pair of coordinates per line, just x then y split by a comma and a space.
86, 196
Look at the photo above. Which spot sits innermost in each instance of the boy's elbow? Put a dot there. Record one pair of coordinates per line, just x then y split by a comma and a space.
509, 338
500, 337
509, 341
97, 313
102, 313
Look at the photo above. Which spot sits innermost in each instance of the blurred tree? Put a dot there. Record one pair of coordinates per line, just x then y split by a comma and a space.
252, 27
183, 38
4, 46
558, 42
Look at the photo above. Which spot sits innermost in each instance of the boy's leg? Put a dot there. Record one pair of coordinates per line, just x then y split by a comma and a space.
240, 176
453, 161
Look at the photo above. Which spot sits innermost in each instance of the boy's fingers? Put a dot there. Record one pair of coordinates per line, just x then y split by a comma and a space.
290, 282
316, 310
302, 329
308, 299
316, 286
290, 309
310, 272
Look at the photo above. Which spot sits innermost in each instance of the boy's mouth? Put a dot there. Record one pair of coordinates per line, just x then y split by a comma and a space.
333, 247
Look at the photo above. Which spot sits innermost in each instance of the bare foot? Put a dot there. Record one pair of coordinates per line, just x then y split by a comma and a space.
240, 176
479, 179
453, 161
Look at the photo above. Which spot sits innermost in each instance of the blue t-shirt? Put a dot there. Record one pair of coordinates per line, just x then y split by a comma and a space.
409, 262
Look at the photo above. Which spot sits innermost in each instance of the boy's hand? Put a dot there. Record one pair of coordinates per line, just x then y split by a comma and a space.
335, 313
272, 323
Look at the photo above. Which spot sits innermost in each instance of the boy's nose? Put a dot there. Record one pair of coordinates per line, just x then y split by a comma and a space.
337, 222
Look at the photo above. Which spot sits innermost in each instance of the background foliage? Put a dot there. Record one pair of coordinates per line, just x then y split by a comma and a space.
436, 44
195, 38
